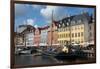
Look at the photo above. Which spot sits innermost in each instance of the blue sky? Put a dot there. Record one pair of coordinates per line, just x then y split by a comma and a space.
40, 15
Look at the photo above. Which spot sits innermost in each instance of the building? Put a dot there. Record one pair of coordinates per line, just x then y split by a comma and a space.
92, 30
25, 34
29, 35
19, 36
18, 39
37, 35
52, 34
44, 35
74, 29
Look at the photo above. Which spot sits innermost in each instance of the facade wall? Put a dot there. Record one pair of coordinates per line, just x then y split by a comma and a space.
19, 40
43, 39
30, 39
52, 35
63, 35
76, 35
36, 37
91, 33
75, 29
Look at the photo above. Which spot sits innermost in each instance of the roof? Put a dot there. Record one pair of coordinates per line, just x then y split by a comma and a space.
23, 28
44, 27
74, 20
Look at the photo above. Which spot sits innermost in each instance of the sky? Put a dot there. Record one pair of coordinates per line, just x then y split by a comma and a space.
40, 15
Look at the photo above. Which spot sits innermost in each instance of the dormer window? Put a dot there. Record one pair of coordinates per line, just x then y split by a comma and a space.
67, 23
59, 25
93, 20
80, 21
69, 19
63, 25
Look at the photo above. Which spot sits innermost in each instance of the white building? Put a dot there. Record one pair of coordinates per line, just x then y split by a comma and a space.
28, 34
43, 36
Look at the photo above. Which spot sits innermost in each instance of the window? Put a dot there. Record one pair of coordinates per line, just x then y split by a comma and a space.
59, 25
73, 40
81, 41
72, 34
69, 35
60, 36
90, 27
81, 33
67, 23
78, 34
75, 34
62, 41
66, 35
90, 34
63, 25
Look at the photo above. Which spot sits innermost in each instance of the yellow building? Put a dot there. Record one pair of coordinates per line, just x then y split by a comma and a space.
74, 29
77, 34
63, 35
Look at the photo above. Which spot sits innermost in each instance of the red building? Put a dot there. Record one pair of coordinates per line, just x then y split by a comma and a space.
52, 34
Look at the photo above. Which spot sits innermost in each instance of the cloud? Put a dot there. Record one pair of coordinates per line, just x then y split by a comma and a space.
57, 12
36, 26
30, 21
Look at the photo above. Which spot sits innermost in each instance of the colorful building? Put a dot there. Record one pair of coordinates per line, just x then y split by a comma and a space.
74, 29
44, 35
29, 35
37, 37
52, 34
19, 36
